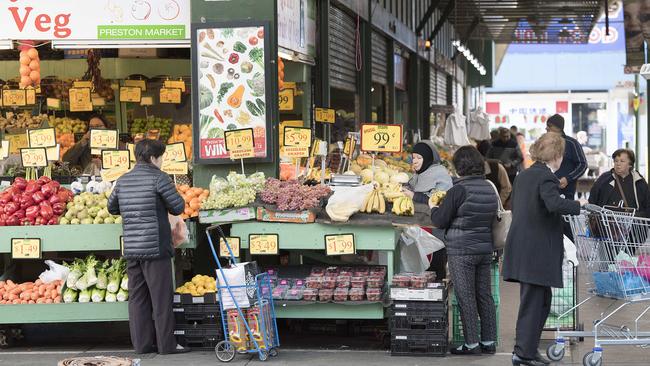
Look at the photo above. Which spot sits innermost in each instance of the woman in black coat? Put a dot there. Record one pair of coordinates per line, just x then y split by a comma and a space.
535, 246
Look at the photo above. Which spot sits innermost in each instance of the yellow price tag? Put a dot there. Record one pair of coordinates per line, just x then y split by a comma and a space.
102, 140
295, 151
16, 142
170, 96
53, 153
350, 145
174, 153
136, 84
41, 137
263, 244
4, 149
180, 168
34, 157
53, 103
80, 100
115, 159
130, 94
381, 138
14, 98
240, 143
98, 101
297, 136
175, 84
111, 175
285, 100
82, 84
325, 115
131, 148
28, 248
30, 96
339, 244
234, 243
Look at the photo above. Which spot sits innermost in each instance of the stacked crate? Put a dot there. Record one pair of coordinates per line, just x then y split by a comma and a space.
198, 321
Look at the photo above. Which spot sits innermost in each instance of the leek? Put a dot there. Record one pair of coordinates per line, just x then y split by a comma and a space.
84, 295
111, 297
122, 295
70, 295
115, 275
124, 284
102, 276
98, 295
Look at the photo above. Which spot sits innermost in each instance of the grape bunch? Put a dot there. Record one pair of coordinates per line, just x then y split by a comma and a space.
291, 195
236, 190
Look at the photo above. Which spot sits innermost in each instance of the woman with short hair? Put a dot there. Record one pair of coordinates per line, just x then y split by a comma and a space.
535, 247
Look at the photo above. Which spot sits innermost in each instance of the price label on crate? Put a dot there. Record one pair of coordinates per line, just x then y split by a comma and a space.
175, 84
381, 138
174, 153
263, 244
102, 140
26, 248
130, 94
170, 96
41, 137
14, 98
325, 115
234, 242
297, 136
136, 84
34, 157
285, 100
115, 159
240, 143
4, 149
80, 100
339, 244
180, 168
16, 142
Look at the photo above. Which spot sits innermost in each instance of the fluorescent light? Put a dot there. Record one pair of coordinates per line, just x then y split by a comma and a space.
6, 45
81, 44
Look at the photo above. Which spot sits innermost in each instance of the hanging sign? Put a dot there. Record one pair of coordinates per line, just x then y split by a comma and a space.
179, 168
325, 115
297, 136
136, 84
339, 244
263, 244
14, 98
174, 153
4, 149
240, 143
350, 145
80, 100
116, 159
30, 96
175, 84
381, 138
234, 242
82, 84
27, 248
102, 140
41, 137
285, 100
53, 103
16, 142
170, 96
130, 94
33, 157
131, 148
98, 101
53, 153
146, 101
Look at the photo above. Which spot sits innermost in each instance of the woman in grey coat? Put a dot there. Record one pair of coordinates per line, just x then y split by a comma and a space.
535, 246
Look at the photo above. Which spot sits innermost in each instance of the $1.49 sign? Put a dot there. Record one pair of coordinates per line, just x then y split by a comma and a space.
263, 244
115, 159
381, 138
102, 140
339, 244
26, 248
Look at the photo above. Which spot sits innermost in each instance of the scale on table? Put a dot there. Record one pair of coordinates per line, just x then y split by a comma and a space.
345, 180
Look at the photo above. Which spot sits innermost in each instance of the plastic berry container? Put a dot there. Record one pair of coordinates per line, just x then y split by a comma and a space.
419, 281
280, 292
284, 282
299, 283
375, 282
332, 271
343, 281
310, 294
313, 282
358, 282
325, 294
328, 282
295, 293
373, 294
341, 294
317, 272
378, 271
400, 280
357, 294
346, 271
361, 271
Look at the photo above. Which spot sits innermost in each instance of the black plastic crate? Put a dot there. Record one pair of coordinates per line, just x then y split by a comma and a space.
197, 331
420, 308
416, 344
199, 343
435, 324
198, 314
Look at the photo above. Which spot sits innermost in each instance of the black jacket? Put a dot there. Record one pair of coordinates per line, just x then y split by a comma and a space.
508, 153
535, 247
144, 196
574, 165
605, 192
78, 155
466, 214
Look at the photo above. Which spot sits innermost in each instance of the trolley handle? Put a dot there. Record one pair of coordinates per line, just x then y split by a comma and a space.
593, 208
213, 227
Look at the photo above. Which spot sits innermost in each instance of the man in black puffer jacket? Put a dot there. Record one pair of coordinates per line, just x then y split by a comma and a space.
144, 197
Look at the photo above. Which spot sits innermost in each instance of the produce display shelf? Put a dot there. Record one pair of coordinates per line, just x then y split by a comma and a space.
64, 313
286, 310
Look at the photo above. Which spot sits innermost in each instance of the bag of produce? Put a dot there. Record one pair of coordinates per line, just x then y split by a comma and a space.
180, 234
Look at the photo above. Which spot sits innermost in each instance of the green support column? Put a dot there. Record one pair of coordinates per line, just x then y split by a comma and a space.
414, 94
364, 80
390, 47
322, 69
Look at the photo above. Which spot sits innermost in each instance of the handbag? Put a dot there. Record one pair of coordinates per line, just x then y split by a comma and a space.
501, 223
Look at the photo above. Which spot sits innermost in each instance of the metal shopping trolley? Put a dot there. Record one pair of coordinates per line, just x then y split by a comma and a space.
252, 329
614, 246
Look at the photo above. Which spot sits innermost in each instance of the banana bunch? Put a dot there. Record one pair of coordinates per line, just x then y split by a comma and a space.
374, 202
403, 206
437, 197
392, 191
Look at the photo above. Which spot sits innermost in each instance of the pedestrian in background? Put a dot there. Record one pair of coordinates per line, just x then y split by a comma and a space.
535, 247
496, 173
574, 162
506, 150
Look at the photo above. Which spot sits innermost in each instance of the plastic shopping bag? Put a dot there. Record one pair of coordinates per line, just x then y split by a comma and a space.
55, 273
236, 279
180, 234
346, 201
415, 245
570, 251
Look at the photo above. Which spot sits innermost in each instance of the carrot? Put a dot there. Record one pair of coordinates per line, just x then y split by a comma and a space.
57, 300
50, 287
2, 283
48, 301
38, 282
16, 290
54, 294
2, 302
5, 296
40, 300
23, 302
59, 288
10, 283
15, 301
32, 302
41, 290
13, 297
34, 296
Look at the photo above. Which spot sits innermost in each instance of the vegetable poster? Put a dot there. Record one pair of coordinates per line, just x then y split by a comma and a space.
231, 88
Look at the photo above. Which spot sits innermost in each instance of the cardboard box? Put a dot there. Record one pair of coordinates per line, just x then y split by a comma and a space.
295, 217
226, 215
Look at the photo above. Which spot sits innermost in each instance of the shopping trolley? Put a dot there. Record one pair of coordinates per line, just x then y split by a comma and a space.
253, 329
615, 247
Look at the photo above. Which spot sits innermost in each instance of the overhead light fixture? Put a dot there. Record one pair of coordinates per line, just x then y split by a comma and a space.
469, 56
6, 45
75, 45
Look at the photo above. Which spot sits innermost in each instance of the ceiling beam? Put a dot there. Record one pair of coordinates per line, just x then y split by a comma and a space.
427, 16
442, 20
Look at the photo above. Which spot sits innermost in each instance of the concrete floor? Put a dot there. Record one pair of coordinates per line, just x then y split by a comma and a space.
349, 352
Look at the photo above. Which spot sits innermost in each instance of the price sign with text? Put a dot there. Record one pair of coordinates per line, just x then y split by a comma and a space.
339, 244
295, 151
98, 101
240, 143
297, 136
4, 149
80, 100
170, 96
285, 100
41, 137
53, 153
34, 157
115, 159
130, 94
14, 98
174, 84
82, 84
381, 138
53, 103
325, 115
111, 175
180, 168
131, 148
234, 242
102, 140
174, 153
16, 142
263, 244
27, 248
136, 84
30, 96
350, 145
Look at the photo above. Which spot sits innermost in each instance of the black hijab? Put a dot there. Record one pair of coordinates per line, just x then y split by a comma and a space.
428, 153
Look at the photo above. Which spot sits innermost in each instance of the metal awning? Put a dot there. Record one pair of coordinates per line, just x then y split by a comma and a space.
523, 21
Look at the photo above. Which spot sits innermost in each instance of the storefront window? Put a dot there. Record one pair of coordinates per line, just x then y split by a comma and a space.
378, 103
590, 118
344, 102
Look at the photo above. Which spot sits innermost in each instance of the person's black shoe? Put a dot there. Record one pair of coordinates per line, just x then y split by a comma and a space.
518, 361
542, 359
466, 351
489, 350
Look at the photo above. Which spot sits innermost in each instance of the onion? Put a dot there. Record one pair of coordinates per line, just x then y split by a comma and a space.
32, 53
25, 60
35, 75
25, 80
35, 64
24, 70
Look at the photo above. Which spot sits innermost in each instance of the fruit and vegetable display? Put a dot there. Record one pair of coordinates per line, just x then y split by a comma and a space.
21, 120
35, 292
143, 125
403, 206
182, 133
198, 286
374, 202
381, 172
89, 208
437, 197
413, 280
237, 190
91, 280
292, 195
63, 125
30, 67
33, 202
193, 197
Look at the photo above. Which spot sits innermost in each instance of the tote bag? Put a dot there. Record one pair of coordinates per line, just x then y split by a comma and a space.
501, 223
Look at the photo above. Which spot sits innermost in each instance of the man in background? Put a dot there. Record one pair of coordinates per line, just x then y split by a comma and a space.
574, 163
507, 151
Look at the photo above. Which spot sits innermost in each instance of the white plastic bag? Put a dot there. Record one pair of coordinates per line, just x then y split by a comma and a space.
415, 245
235, 276
345, 201
180, 234
55, 273
570, 251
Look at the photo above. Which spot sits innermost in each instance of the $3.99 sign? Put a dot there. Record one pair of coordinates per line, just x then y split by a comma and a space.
42, 137
115, 159
381, 138
263, 244
339, 244
297, 136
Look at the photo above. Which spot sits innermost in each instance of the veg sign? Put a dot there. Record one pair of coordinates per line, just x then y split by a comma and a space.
95, 19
